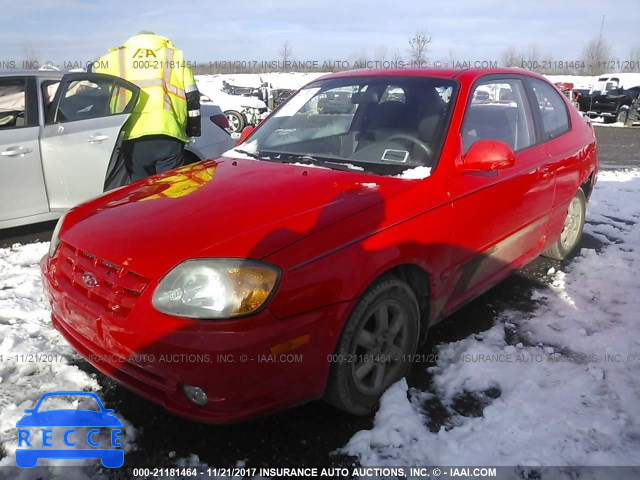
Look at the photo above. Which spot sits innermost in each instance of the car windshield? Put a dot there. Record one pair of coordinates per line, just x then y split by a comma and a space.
382, 125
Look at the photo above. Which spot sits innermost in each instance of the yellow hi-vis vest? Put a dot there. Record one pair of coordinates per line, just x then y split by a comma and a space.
152, 63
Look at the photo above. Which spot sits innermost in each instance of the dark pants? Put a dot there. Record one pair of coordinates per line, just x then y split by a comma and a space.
152, 154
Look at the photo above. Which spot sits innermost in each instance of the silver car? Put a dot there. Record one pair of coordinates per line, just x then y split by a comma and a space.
60, 136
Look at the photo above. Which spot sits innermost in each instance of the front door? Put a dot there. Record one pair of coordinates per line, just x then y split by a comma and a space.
22, 191
499, 218
82, 133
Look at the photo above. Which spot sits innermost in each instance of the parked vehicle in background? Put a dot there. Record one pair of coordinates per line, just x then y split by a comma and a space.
611, 97
214, 138
568, 91
242, 105
60, 136
335, 102
634, 112
310, 260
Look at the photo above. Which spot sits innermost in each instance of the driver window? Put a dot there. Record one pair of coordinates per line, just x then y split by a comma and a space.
12, 103
499, 110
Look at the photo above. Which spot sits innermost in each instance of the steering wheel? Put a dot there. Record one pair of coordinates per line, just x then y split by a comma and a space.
415, 140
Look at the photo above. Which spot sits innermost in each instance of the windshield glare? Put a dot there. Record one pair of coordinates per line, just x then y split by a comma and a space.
380, 125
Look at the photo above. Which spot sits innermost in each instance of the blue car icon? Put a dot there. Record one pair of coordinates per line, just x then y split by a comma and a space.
42, 446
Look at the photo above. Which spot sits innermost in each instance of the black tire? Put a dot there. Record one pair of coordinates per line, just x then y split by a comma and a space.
236, 121
571, 233
608, 119
622, 115
375, 347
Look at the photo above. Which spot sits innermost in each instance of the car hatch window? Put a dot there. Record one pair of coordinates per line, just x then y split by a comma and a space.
12, 103
553, 110
499, 111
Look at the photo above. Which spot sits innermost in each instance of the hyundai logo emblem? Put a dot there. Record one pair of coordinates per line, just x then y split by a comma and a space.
89, 280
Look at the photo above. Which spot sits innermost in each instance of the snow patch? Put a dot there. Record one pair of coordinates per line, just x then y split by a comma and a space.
567, 394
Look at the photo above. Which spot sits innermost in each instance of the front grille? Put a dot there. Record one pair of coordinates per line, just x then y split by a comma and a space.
115, 289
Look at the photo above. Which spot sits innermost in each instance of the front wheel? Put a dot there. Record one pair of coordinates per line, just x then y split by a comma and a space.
375, 348
572, 229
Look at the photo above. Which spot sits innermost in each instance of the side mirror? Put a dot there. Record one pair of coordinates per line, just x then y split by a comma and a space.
487, 156
246, 131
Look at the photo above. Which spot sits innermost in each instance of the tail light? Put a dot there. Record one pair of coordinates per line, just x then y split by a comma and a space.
220, 120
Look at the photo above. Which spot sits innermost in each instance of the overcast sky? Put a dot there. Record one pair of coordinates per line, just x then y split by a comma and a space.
82, 30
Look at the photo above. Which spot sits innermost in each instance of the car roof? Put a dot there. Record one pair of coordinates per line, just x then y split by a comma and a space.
469, 73
32, 73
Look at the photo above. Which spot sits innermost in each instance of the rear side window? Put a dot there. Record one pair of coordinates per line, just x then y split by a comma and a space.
499, 110
12, 103
553, 110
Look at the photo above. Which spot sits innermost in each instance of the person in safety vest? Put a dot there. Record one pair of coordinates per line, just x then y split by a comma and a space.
167, 112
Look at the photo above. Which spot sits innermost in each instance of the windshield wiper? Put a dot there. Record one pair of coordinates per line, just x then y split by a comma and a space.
245, 152
328, 162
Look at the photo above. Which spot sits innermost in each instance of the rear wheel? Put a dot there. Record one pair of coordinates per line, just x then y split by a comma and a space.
622, 115
236, 121
375, 348
572, 230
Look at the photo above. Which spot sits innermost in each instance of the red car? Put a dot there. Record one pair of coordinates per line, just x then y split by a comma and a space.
310, 261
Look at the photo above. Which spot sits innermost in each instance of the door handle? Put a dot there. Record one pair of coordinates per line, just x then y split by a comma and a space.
15, 151
97, 138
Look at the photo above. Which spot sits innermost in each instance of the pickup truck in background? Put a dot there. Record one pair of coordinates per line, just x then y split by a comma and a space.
611, 97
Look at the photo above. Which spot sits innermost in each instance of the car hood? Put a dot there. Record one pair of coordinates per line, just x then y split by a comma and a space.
225, 208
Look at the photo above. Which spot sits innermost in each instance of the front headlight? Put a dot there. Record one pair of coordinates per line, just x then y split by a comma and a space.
55, 240
215, 288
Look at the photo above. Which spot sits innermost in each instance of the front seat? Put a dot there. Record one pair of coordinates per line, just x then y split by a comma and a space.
384, 120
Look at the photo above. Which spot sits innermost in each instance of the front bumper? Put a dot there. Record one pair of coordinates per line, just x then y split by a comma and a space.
246, 367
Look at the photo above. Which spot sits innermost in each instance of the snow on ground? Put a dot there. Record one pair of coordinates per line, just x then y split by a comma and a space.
561, 388
569, 385
211, 86
34, 359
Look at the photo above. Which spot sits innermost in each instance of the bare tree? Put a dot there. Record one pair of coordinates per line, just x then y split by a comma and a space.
419, 46
30, 56
595, 55
509, 57
380, 54
358, 59
397, 58
634, 58
533, 54
286, 50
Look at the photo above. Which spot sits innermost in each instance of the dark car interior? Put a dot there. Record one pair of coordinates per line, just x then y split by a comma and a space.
396, 121
12, 104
